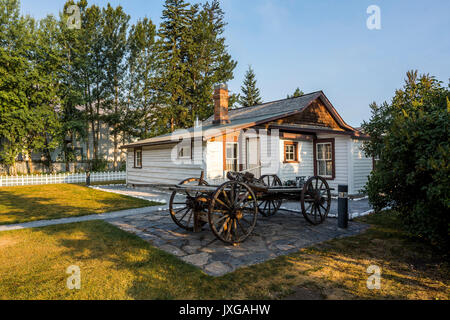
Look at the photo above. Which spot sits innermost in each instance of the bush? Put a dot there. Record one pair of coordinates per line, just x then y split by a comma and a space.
410, 137
98, 165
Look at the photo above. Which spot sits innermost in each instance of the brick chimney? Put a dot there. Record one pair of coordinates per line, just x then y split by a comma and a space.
221, 104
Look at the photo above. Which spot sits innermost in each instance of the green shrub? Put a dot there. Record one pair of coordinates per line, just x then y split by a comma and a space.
99, 165
410, 136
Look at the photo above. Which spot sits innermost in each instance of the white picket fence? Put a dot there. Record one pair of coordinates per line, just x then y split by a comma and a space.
9, 181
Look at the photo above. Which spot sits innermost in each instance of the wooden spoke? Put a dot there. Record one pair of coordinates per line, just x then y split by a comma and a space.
317, 193
187, 199
268, 207
242, 202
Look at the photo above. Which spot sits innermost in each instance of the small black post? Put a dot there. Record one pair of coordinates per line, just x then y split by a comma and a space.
343, 206
88, 178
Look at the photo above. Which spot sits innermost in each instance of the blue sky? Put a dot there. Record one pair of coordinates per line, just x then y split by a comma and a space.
321, 45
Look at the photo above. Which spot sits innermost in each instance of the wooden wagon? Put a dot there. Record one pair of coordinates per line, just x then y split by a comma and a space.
231, 209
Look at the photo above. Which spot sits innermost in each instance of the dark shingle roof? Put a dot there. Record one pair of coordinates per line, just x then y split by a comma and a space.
272, 108
245, 117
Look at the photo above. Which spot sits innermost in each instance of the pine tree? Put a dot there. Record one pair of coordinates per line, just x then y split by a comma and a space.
250, 93
192, 58
209, 61
297, 93
172, 68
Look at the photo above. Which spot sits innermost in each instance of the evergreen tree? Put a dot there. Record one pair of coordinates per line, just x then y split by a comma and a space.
208, 60
250, 93
173, 36
192, 58
297, 93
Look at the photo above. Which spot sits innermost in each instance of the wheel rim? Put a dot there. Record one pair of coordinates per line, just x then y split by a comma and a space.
269, 207
316, 200
182, 207
233, 212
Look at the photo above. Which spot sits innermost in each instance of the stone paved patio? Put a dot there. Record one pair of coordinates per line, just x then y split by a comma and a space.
284, 233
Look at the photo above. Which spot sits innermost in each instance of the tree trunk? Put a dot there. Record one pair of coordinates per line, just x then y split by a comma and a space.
29, 163
48, 157
116, 142
66, 156
75, 156
116, 150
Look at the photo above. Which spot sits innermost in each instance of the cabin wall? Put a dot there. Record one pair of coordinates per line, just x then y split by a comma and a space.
158, 168
214, 160
341, 158
361, 165
304, 166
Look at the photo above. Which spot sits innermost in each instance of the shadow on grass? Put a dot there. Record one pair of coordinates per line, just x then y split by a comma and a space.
119, 265
31, 203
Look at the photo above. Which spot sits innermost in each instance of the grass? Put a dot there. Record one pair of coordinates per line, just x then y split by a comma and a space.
117, 265
29, 203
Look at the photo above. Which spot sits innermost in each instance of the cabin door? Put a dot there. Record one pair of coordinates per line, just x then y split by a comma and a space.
253, 156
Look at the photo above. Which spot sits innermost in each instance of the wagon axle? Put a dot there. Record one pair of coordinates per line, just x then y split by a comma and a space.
231, 209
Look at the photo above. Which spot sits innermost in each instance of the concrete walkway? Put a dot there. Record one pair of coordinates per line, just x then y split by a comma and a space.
101, 216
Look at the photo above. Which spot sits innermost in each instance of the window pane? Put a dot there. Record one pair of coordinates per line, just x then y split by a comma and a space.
329, 168
328, 151
319, 151
289, 152
231, 150
231, 157
321, 168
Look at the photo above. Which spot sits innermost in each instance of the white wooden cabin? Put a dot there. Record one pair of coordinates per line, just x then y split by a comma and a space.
295, 137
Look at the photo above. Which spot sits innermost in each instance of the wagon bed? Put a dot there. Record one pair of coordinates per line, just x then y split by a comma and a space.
231, 209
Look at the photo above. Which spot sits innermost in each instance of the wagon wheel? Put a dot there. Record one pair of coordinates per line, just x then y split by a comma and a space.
269, 207
233, 212
316, 200
182, 209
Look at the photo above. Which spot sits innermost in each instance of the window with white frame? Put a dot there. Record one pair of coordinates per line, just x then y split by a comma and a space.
324, 158
185, 149
138, 158
290, 151
231, 156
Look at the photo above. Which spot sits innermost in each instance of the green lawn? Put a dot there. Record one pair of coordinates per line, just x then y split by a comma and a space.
117, 265
29, 203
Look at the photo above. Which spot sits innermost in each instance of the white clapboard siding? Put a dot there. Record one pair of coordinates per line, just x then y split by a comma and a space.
362, 166
341, 155
37, 179
305, 166
270, 155
213, 154
159, 166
